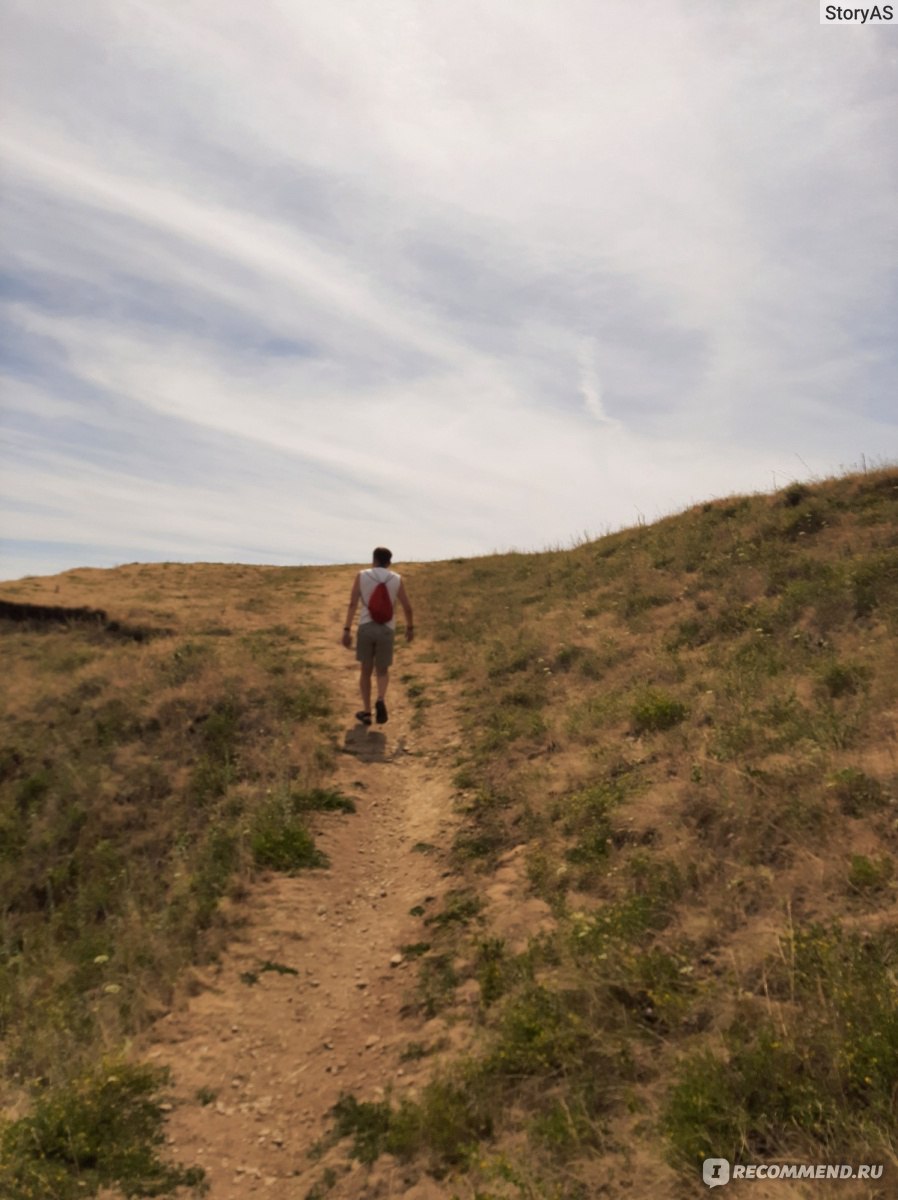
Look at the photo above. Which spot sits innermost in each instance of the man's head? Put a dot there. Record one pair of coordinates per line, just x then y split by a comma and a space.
382, 557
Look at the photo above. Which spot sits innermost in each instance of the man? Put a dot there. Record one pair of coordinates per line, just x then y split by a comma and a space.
374, 642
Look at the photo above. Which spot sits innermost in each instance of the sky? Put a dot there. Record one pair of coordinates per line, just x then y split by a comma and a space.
284, 281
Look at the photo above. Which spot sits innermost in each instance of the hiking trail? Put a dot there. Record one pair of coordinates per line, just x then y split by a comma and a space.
271, 1058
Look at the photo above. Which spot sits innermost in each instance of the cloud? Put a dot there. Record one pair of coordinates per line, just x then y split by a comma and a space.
287, 284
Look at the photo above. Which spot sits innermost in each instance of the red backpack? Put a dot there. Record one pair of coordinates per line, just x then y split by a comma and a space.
380, 605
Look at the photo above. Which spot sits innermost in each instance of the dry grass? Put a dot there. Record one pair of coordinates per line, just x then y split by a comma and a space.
680, 757
142, 785
691, 729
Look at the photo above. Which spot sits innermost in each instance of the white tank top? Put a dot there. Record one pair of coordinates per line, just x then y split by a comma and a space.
368, 581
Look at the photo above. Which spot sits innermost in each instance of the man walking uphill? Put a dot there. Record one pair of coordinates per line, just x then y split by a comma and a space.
378, 589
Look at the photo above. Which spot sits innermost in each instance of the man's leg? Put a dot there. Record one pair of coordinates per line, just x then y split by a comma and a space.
365, 685
383, 678
382, 662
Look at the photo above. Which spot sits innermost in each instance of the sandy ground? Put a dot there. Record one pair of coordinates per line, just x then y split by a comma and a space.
273, 1057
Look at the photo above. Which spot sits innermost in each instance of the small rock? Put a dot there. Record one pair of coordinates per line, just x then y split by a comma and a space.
396, 960
372, 1041
361, 983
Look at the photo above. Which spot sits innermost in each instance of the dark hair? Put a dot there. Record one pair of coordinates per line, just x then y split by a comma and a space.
382, 557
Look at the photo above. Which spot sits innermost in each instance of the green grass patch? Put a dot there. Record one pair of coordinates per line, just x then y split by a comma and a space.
868, 876
822, 1070
102, 1129
321, 800
857, 792
461, 905
447, 1123
654, 710
279, 839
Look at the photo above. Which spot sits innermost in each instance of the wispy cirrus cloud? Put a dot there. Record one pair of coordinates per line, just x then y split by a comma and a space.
287, 283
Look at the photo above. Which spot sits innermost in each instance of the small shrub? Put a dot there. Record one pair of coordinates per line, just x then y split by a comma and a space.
794, 494
321, 800
447, 1122
857, 793
414, 949
843, 679
32, 790
875, 584
326, 1182
865, 875
690, 634
215, 864
655, 710
103, 1129
460, 907
280, 841
492, 970
210, 779
485, 844
809, 521
437, 981
568, 656
366, 1122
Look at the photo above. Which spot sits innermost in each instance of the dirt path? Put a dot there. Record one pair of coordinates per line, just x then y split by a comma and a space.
270, 1059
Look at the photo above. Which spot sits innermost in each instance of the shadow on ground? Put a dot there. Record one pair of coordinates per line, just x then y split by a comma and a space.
365, 744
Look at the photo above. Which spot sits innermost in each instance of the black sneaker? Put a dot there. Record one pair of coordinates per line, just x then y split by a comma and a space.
364, 717
381, 709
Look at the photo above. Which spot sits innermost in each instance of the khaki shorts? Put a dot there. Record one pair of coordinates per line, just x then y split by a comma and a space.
375, 644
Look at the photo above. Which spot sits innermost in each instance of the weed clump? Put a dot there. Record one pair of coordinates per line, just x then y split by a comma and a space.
866, 875
281, 841
102, 1129
447, 1123
654, 710
858, 793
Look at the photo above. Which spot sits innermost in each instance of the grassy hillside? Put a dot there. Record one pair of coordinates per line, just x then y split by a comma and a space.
688, 730
680, 776
145, 774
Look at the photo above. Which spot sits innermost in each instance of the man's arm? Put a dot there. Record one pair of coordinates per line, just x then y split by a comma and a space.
354, 597
407, 609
